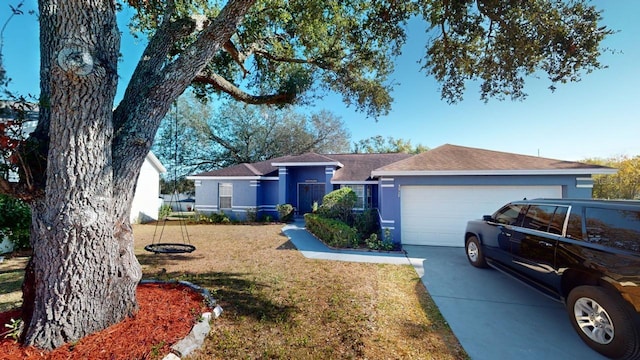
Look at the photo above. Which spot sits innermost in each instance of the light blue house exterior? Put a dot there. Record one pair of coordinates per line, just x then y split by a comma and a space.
422, 199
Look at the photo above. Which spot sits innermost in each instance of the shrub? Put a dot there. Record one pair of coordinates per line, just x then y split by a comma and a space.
366, 223
15, 221
373, 242
252, 215
164, 212
333, 232
285, 212
338, 204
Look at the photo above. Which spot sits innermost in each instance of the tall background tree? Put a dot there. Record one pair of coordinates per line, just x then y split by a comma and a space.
196, 137
84, 158
625, 184
380, 144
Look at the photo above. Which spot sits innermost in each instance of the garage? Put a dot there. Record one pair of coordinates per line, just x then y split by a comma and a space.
437, 215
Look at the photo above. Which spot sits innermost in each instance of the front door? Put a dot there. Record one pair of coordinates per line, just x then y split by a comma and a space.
308, 193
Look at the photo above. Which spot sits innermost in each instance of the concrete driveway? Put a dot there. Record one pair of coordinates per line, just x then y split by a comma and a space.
494, 316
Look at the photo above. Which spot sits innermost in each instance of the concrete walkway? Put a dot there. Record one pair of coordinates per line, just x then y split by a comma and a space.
313, 248
493, 316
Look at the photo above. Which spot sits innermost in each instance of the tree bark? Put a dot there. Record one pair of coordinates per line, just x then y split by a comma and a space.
83, 270
83, 274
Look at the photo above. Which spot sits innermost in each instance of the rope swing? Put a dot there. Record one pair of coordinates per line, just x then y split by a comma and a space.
185, 246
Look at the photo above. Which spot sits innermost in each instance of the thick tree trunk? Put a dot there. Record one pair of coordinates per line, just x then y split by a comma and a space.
84, 271
83, 275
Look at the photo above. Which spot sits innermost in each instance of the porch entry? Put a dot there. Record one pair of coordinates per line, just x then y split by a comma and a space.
308, 193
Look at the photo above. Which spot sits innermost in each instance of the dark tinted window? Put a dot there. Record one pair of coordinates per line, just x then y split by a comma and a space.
613, 227
574, 227
548, 218
508, 215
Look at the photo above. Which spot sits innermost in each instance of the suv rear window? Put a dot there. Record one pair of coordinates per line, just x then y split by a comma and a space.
547, 218
613, 227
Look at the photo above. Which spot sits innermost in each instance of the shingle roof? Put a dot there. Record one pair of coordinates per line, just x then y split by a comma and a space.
351, 167
358, 167
464, 159
449, 159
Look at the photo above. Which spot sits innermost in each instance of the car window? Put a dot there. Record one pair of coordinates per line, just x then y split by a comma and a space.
539, 217
613, 227
574, 227
509, 214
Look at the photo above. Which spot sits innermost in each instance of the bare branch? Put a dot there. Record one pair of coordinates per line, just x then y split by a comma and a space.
221, 84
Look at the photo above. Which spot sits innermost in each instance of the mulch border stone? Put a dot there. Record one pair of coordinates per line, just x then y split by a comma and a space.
201, 329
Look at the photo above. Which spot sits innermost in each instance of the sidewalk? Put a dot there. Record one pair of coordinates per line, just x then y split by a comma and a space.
313, 248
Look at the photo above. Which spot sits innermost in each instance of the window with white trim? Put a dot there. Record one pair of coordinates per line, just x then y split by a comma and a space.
225, 195
360, 193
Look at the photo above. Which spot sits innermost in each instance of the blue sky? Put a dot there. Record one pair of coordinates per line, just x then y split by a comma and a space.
597, 117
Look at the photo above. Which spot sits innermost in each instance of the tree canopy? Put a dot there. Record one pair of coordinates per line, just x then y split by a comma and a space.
625, 184
380, 144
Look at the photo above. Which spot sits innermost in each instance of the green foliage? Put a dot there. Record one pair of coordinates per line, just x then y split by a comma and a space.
373, 242
180, 186
339, 204
380, 145
333, 232
366, 223
164, 211
285, 212
297, 50
15, 329
15, 221
625, 184
213, 218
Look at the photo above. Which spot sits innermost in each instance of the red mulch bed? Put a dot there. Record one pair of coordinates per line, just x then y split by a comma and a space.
167, 314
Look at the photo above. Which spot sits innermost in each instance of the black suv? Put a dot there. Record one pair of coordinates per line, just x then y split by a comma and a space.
585, 253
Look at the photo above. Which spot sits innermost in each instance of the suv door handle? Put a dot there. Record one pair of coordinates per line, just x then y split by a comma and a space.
545, 244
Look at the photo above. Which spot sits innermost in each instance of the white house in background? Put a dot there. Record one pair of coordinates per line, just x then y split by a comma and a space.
146, 200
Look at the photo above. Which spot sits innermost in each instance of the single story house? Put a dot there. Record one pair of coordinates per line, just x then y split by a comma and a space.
146, 199
423, 199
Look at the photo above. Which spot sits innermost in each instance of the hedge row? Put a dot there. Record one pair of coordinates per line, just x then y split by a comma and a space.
331, 231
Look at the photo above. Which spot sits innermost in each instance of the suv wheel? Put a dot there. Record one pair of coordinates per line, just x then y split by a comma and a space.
474, 252
603, 322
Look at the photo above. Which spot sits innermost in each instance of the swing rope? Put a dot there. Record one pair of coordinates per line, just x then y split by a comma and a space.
185, 246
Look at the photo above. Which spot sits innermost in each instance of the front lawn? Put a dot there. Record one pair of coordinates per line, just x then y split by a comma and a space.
280, 305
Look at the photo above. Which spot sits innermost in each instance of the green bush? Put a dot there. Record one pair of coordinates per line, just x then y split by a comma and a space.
164, 212
332, 232
366, 223
285, 212
339, 204
373, 242
15, 221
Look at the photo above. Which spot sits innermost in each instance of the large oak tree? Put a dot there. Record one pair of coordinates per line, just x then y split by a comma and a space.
84, 158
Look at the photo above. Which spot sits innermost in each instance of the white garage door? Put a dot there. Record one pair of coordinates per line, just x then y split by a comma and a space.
438, 215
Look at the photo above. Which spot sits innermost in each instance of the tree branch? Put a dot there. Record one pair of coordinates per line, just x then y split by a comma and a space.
221, 84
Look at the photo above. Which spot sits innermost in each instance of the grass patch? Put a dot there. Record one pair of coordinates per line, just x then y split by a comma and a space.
11, 276
281, 305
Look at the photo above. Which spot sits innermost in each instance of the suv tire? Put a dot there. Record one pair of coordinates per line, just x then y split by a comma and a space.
474, 252
604, 322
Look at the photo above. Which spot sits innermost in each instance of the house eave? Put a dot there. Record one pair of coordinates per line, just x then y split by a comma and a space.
586, 171
196, 177
354, 182
327, 163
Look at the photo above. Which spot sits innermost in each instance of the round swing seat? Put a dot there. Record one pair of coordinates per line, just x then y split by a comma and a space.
170, 248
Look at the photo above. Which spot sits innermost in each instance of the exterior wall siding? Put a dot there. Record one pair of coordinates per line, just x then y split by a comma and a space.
244, 197
572, 187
